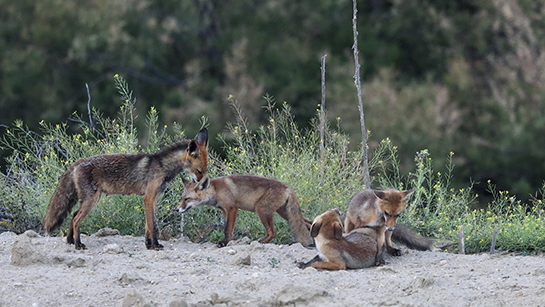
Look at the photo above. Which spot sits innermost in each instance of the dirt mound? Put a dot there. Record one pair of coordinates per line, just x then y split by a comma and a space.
118, 271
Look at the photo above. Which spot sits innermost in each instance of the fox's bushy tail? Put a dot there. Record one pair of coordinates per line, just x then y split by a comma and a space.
411, 238
63, 200
300, 226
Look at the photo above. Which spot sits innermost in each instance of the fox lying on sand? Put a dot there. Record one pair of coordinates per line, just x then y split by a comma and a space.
261, 195
338, 251
124, 174
381, 209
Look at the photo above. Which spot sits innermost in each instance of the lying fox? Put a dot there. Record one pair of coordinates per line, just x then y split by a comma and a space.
337, 251
381, 209
261, 195
124, 174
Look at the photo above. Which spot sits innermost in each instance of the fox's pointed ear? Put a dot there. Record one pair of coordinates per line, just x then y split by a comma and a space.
338, 230
380, 194
202, 137
203, 184
315, 228
407, 194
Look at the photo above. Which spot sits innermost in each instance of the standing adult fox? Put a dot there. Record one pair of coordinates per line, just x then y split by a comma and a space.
258, 194
124, 174
381, 209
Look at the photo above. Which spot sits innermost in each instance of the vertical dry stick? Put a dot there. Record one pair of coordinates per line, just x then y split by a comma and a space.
322, 106
461, 236
494, 235
89, 107
322, 122
357, 82
182, 225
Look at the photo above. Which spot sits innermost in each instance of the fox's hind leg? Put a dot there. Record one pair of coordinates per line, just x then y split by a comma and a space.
73, 235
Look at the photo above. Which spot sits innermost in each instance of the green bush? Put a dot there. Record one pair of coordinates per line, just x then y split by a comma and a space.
323, 173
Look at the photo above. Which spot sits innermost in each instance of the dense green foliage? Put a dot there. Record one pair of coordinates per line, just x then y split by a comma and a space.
465, 76
324, 174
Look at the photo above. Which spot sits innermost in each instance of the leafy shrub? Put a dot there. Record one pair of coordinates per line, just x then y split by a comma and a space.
323, 173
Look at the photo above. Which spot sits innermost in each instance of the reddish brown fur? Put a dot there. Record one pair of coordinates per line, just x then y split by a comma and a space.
375, 208
141, 174
261, 195
338, 251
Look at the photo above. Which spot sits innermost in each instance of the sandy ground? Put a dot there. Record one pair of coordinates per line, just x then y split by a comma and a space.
118, 271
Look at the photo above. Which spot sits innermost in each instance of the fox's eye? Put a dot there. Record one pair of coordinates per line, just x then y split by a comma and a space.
387, 214
186, 199
199, 171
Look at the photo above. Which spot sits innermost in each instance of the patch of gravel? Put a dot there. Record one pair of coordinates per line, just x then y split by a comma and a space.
118, 271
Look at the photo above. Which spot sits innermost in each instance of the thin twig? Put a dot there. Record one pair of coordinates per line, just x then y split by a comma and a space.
493, 245
322, 121
89, 107
461, 237
322, 105
357, 82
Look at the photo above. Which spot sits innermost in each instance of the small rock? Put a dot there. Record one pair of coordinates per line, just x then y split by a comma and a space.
178, 303
128, 279
421, 282
247, 260
386, 269
256, 245
57, 259
442, 262
31, 234
134, 300
292, 294
23, 252
232, 252
539, 272
229, 299
76, 263
112, 249
241, 241
105, 232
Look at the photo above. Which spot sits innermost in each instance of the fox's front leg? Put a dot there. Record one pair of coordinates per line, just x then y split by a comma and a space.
230, 217
150, 199
391, 250
379, 259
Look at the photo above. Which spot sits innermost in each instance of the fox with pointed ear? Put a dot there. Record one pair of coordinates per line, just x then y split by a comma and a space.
381, 209
261, 195
87, 179
338, 250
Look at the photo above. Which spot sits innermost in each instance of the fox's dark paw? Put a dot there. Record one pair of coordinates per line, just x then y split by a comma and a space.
221, 244
155, 246
380, 262
394, 251
302, 265
80, 246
